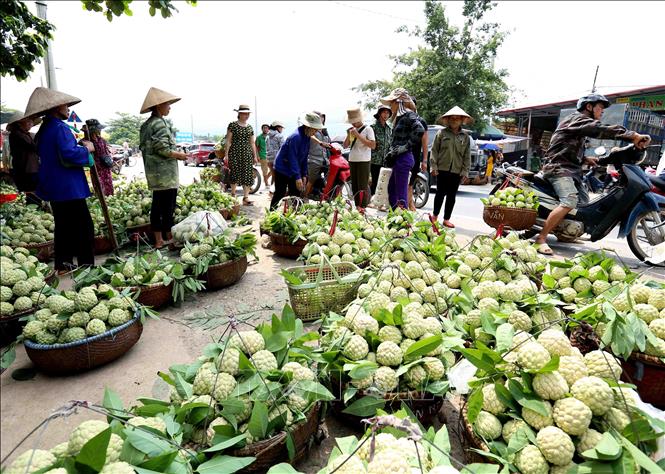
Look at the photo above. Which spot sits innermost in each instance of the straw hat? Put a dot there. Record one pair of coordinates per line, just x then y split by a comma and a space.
399, 93
43, 99
15, 117
383, 107
277, 123
243, 109
312, 120
455, 111
156, 97
354, 116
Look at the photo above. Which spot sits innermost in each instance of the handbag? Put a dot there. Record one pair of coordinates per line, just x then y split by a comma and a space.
107, 161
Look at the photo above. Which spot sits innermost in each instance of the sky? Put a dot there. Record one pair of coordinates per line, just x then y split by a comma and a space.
291, 57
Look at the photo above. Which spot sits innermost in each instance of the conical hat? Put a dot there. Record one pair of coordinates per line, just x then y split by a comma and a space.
15, 117
43, 99
455, 111
155, 97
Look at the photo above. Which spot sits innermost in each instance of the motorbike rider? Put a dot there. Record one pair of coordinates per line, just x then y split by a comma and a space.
565, 156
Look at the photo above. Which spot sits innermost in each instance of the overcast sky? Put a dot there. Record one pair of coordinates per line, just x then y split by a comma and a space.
299, 56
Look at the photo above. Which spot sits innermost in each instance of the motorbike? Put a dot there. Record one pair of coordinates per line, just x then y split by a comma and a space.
631, 204
222, 165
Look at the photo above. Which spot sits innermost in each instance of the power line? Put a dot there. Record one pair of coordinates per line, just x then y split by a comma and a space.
411, 20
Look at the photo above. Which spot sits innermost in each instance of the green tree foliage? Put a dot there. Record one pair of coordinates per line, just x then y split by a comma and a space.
453, 67
111, 8
124, 127
24, 39
25, 36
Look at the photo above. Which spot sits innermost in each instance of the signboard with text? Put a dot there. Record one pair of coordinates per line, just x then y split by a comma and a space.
184, 137
646, 102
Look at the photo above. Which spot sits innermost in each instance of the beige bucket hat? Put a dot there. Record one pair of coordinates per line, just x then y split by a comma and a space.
397, 94
43, 99
354, 115
156, 97
455, 111
312, 120
380, 108
277, 123
243, 109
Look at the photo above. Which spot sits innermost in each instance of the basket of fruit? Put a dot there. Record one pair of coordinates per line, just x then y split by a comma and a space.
77, 331
511, 208
284, 247
647, 373
102, 245
230, 213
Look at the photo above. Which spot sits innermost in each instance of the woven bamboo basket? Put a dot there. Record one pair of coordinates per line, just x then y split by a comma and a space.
102, 245
312, 300
647, 373
87, 353
473, 441
225, 274
156, 295
11, 326
513, 218
43, 251
273, 451
49, 278
139, 230
284, 248
230, 213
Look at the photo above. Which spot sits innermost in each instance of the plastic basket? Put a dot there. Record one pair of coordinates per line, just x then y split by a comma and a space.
328, 287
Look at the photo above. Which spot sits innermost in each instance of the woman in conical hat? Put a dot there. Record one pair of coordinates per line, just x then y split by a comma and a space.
24, 157
160, 159
62, 179
451, 160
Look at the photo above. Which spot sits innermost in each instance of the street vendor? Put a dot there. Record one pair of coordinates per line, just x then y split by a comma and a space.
25, 159
160, 159
62, 179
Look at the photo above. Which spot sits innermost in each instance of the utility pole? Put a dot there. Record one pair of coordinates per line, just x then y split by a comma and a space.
593, 88
256, 117
48, 59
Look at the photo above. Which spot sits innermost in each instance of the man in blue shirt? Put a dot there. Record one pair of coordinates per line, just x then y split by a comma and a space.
62, 180
291, 160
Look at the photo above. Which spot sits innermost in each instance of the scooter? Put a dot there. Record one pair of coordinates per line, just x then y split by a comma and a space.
631, 204
338, 179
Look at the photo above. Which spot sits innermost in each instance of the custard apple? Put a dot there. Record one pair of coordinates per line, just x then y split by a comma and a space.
531, 461
55, 324
617, 273
556, 342
38, 298
520, 320
229, 361
472, 318
356, 348
657, 299
600, 286
625, 399
640, 293
491, 402
45, 337
572, 415
204, 380
72, 335
118, 317
657, 349
415, 376
363, 383
22, 288
581, 285
31, 329
86, 299
488, 304
224, 385
572, 368
550, 385
363, 325
5, 293
60, 451
621, 303
617, 419
78, 320
31, 461
603, 364
487, 426
298, 371
151, 422
588, 440
390, 333
59, 304
264, 361
296, 402
114, 448
595, 393
414, 325
532, 356
84, 433
511, 427
248, 342
646, 312
100, 311
434, 368
555, 445
22, 303
537, 420
389, 353
657, 327
568, 294
119, 302
119, 467
347, 465
385, 379
281, 411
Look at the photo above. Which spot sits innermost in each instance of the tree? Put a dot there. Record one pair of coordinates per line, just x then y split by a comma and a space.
125, 127
25, 36
453, 67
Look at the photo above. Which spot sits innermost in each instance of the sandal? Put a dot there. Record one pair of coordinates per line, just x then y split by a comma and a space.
545, 249
449, 224
247, 202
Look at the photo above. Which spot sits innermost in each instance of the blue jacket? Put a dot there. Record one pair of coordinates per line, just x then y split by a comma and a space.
58, 182
291, 160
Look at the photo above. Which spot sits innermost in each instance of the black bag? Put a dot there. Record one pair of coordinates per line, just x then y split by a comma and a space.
107, 161
360, 130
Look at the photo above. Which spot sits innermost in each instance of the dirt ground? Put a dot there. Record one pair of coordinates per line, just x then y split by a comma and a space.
177, 337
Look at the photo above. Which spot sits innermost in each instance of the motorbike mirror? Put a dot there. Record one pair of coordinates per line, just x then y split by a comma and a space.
601, 150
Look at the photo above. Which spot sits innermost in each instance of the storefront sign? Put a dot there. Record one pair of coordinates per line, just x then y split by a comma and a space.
646, 102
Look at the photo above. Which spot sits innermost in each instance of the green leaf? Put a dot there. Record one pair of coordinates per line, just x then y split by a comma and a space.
282, 468
113, 403
529, 400
226, 444
93, 453
147, 442
504, 337
548, 281
224, 465
551, 366
365, 406
160, 463
422, 347
474, 405
518, 440
290, 445
361, 370
640, 458
608, 449
258, 423
346, 444
442, 442
183, 388
349, 393
315, 389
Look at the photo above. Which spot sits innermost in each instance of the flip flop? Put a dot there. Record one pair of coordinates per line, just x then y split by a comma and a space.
450, 225
545, 249
247, 202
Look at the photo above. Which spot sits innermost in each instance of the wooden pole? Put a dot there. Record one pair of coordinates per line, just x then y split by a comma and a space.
96, 184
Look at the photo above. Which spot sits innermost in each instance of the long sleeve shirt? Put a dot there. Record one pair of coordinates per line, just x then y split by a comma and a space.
383, 136
565, 155
157, 141
407, 132
61, 175
451, 152
291, 159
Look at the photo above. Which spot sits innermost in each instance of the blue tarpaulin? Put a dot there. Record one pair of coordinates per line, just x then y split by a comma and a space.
488, 146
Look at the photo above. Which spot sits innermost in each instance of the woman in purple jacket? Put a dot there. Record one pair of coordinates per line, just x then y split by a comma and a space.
291, 160
62, 179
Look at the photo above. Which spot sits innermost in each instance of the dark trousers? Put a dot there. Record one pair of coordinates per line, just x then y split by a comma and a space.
447, 184
73, 235
360, 182
284, 186
375, 171
162, 210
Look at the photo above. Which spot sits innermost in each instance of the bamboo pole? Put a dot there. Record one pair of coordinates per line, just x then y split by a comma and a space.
96, 184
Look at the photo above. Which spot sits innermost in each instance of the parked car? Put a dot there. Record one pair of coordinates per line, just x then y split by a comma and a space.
200, 154
116, 150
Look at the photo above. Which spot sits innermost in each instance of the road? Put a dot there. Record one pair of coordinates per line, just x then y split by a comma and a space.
467, 216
